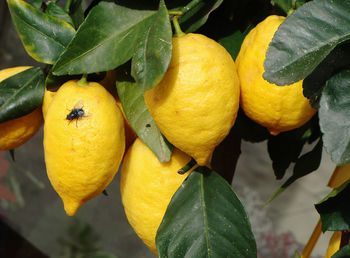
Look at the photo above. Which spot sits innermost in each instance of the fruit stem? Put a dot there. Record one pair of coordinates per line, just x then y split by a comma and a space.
187, 167
83, 81
178, 31
177, 13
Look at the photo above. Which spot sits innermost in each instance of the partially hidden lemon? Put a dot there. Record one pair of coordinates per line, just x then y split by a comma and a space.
84, 142
147, 187
130, 134
195, 105
16, 132
278, 108
48, 96
334, 244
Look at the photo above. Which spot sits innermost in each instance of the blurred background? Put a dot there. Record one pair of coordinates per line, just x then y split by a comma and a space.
34, 224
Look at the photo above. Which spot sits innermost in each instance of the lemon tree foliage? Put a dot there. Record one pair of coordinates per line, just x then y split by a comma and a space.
334, 113
343, 253
89, 39
21, 94
221, 227
335, 215
44, 36
131, 97
297, 49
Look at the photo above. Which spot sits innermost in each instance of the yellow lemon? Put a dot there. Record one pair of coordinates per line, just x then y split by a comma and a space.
334, 244
130, 134
147, 187
48, 96
278, 108
16, 132
195, 105
84, 142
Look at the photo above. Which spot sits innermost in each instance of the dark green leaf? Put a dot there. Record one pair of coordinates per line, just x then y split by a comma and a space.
305, 39
205, 218
21, 94
335, 209
233, 42
57, 11
287, 5
12, 154
105, 40
305, 164
37, 3
137, 114
343, 252
76, 11
196, 13
153, 53
334, 116
337, 60
53, 82
43, 36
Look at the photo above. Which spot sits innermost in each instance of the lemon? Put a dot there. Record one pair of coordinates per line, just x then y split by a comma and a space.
83, 150
334, 244
48, 96
14, 133
195, 105
278, 108
130, 134
147, 187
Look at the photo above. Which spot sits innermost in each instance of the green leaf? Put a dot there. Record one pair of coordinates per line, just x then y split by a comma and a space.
43, 36
233, 42
76, 11
337, 60
305, 38
196, 13
21, 94
138, 116
334, 117
287, 5
344, 252
335, 209
105, 40
37, 3
153, 53
305, 164
57, 11
205, 218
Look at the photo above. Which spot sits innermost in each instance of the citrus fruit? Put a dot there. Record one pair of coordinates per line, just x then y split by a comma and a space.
84, 142
278, 108
147, 187
195, 105
48, 96
334, 244
15, 132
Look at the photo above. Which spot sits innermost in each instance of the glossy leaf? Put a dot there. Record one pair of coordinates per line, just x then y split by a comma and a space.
233, 42
205, 218
57, 11
196, 13
76, 11
21, 94
287, 5
305, 39
44, 37
153, 53
37, 3
105, 40
334, 116
335, 209
337, 60
344, 252
138, 116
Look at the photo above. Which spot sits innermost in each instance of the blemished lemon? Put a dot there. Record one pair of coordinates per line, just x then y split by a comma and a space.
16, 132
195, 105
334, 244
84, 142
278, 108
147, 187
